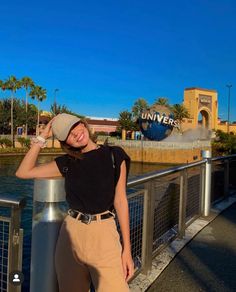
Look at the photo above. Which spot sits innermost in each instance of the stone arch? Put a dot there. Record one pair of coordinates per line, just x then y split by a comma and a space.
206, 117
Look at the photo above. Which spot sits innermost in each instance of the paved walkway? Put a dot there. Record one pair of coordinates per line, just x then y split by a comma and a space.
207, 263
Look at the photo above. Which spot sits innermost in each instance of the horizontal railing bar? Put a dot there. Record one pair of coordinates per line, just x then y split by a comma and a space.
5, 219
7, 201
223, 157
136, 193
157, 174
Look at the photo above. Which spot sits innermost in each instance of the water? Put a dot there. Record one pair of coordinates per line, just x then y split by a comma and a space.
17, 188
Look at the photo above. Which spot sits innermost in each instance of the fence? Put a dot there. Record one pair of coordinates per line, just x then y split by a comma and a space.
11, 239
162, 204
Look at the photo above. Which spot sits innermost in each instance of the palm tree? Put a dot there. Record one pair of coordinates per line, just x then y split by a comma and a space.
27, 83
139, 106
12, 84
38, 93
126, 123
162, 101
1, 84
180, 112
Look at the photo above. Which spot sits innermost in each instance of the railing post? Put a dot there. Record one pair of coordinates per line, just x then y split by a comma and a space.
15, 250
47, 219
148, 227
202, 187
182, 203
207, 192
226, 178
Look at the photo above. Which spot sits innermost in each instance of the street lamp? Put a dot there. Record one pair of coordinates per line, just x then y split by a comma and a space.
55, 93
229, 86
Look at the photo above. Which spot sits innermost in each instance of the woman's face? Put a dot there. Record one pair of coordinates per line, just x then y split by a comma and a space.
78, 136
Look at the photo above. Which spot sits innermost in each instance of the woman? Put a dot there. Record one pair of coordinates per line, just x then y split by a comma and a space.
88, 247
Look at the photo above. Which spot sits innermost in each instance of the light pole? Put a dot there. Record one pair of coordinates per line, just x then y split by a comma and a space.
54, 109
229, 86
55, 93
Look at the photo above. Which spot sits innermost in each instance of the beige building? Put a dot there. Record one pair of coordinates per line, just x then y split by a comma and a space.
202, 105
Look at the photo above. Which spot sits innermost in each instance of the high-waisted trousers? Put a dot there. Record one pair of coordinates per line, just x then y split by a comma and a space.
89, 252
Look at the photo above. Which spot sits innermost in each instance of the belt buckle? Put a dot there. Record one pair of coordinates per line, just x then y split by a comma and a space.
87, 218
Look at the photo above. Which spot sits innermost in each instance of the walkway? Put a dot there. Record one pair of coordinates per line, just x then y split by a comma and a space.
207, 263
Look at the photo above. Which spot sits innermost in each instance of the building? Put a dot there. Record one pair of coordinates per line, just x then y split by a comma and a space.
105, 125
202, 105
96, 125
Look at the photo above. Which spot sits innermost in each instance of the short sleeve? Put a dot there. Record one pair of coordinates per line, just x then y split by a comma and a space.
63, 164
120, 155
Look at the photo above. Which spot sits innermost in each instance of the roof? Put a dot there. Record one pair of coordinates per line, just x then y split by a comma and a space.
102, 122
198, 88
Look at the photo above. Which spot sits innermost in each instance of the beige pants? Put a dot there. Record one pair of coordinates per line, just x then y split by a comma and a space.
89, 252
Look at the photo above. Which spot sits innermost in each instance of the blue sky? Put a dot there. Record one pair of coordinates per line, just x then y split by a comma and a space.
104, 55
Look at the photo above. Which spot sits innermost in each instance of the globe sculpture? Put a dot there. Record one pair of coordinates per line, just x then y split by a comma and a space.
157, 123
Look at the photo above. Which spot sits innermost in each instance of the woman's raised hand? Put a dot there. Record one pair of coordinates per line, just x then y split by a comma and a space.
47, 131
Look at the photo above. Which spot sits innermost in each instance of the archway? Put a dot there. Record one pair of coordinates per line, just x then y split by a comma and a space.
204, 119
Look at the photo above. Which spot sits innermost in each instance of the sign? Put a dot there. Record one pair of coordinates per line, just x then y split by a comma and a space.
157, 126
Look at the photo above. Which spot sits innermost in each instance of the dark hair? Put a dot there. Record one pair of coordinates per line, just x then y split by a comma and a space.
73, 151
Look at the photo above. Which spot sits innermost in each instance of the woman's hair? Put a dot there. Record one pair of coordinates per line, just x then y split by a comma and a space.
73, 151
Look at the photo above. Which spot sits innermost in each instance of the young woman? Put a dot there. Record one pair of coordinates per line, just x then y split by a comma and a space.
88, 248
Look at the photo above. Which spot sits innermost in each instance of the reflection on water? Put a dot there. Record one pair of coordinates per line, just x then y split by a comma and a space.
12, 186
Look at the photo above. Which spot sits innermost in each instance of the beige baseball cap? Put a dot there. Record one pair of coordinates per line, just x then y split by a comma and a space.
62, 124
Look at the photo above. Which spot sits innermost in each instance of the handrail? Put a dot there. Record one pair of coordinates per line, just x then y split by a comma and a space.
157, 174
223, 157
6, 201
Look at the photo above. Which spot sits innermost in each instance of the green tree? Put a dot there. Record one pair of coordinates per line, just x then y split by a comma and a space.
18, 114
5, 116
13, 85
27, 83
162, 101
223, 144
56, 109
38, 93
139, 106
180, 112
1, 85
125, 121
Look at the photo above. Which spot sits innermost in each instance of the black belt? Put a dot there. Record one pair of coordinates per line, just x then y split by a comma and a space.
87, 218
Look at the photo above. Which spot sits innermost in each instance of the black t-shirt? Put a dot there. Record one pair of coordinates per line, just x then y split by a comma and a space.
90, 181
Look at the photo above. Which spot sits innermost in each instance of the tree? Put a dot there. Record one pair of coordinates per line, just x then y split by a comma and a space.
58, 109
12, 84
125, 120
223, 144
18, 114
27, 83
162, 101
1, 84
139, 106
38, 93
180, 112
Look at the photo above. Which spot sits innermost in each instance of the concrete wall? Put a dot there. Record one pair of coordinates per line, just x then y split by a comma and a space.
157, 152
164, 152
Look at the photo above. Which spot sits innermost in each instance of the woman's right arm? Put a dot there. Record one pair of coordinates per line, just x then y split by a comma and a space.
28, 168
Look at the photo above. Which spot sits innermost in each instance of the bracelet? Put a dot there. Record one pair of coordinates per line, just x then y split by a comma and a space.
40, 138
40, 141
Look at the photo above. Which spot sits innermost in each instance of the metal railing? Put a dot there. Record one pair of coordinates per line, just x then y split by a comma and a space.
11, 239
162, 205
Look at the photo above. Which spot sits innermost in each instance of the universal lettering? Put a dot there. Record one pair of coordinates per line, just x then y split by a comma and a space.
162, 119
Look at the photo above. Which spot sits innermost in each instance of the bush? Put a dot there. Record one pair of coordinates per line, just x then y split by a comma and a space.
4, 142
24, 142
224, 144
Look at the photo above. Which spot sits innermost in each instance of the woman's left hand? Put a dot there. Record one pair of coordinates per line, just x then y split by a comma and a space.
128, 265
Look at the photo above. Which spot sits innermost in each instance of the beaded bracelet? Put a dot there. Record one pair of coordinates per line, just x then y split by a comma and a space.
40, 141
